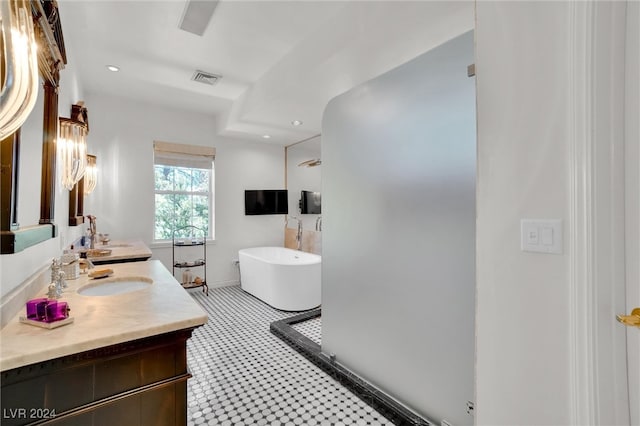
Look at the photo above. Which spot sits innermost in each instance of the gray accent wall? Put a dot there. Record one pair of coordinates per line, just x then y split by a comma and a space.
398, 268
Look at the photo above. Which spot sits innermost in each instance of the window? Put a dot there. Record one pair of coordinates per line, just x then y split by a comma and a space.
184, 182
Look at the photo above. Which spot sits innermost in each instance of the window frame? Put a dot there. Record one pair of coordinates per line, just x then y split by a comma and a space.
190, 157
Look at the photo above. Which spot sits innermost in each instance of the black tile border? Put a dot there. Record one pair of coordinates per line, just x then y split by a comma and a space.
384, 404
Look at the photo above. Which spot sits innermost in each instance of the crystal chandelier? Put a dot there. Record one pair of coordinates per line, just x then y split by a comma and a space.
72, 149
19, 63
90, 175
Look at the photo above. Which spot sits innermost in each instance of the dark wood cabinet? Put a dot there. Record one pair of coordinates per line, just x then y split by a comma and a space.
141, 382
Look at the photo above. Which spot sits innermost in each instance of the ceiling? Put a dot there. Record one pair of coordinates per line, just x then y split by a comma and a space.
280, 61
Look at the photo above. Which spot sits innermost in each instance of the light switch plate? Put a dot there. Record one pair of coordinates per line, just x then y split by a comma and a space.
541, 235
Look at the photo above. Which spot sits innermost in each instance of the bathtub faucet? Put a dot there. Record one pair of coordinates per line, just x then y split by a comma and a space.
298, 233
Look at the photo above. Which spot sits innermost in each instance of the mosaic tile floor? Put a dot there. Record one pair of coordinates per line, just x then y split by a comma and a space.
244, 375
310, 328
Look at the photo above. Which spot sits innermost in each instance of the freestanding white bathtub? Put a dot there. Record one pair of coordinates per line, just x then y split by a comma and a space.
286, 279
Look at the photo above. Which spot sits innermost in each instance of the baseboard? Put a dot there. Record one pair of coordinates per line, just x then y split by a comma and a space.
227, 283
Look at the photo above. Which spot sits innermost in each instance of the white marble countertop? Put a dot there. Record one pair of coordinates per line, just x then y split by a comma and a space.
104, 320
122, 250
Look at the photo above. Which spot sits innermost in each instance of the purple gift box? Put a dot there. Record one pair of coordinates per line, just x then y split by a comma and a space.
47, 310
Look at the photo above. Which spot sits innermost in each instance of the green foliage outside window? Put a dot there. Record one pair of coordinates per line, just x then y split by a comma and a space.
182, 198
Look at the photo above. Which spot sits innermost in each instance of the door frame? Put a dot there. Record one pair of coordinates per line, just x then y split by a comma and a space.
632, 200
598, 374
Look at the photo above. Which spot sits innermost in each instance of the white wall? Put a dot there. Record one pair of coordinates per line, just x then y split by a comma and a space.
18, 267
398, 268
523, 302
122, 135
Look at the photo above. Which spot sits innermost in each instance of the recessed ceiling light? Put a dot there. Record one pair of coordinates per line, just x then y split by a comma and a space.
296, 122
113, 68
266, 136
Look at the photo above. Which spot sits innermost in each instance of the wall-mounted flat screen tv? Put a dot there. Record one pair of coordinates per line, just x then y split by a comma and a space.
310, 202
266, 201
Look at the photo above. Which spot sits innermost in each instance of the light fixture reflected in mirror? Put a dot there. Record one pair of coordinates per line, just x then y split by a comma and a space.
90, 175
72, 150
19, 63
311, 163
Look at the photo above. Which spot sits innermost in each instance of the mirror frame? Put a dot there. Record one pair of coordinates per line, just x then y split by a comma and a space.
76, 204
51, 60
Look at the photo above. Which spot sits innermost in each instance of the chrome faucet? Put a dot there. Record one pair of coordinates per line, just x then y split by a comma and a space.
85, 264
319, 223
92, 231
298, 232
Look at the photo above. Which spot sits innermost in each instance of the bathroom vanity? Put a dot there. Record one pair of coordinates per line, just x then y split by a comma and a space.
121, 361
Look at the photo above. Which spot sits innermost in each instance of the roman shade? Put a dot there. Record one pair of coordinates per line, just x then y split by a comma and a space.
182, 155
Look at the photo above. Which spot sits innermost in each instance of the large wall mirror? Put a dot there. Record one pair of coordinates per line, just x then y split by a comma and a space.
15, 236
303, 173
304, 161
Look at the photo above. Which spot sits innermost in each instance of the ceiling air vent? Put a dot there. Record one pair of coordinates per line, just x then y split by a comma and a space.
206, 77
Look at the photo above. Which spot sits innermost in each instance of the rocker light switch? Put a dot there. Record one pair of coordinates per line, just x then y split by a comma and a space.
541, 236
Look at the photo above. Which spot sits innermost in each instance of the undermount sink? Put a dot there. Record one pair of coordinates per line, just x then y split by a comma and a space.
116, 245
113, 286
